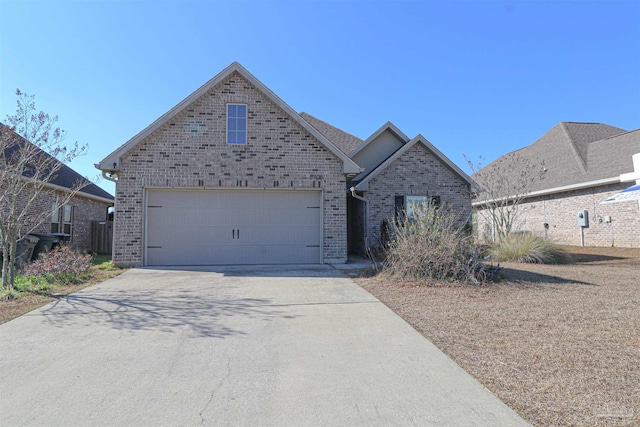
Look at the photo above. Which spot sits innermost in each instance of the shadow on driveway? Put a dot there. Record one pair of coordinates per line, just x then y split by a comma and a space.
166, 310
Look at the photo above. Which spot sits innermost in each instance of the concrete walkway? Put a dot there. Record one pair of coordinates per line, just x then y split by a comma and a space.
253, 346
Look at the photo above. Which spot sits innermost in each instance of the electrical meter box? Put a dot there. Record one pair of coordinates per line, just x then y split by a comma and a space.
583, 218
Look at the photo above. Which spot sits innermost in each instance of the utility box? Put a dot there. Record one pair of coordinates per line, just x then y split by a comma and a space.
583, 218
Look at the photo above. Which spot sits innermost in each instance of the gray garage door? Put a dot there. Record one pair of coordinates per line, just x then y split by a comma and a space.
202, 227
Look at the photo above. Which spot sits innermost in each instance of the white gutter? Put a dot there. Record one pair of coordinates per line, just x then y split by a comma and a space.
556, 190
78, 193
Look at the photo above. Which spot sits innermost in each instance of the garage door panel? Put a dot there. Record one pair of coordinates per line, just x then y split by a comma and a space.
221, 255
233, 227
189, 235
246, 235
279, 217
283, 235
189, 216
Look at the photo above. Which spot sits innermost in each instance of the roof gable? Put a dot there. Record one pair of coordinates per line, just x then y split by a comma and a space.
362, 185
390, 127
377, 148
111, 163
66, 177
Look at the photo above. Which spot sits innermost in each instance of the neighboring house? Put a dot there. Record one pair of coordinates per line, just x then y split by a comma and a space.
583, 163
233, 175
74, 218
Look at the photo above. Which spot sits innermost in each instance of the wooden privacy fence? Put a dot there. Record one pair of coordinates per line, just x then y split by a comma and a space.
101, 236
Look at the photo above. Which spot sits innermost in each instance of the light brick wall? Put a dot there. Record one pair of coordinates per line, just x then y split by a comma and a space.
560, 212
190, 151
417, 172
84, 211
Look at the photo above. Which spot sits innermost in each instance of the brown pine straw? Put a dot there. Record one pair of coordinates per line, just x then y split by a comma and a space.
560, 344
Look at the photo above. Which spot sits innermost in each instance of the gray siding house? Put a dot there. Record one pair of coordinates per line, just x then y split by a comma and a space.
233, 175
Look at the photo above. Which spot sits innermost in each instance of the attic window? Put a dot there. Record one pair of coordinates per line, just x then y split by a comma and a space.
236, 124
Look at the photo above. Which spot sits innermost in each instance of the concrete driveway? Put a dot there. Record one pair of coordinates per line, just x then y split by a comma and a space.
301, 346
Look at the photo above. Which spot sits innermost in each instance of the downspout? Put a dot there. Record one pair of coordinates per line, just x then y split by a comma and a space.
366, 217
110, 177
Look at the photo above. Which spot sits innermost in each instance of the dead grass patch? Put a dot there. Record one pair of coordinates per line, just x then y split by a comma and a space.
558, 343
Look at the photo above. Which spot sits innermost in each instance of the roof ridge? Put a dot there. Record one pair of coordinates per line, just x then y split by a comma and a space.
618, 135
574, 148
586, 123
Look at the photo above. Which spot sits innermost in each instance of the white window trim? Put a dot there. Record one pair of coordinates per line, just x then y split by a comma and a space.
59, 213
246, 118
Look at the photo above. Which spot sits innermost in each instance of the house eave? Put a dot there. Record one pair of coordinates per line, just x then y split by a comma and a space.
78, 193
556, 190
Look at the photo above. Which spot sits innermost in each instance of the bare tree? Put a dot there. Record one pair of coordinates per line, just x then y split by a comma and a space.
31, 155
504, 184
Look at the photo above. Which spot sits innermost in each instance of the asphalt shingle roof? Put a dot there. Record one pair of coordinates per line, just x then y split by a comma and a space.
574, 153
341, 139
66, 177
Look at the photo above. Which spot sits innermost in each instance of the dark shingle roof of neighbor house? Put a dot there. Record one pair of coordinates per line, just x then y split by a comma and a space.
341, 139
576, 153
66, 177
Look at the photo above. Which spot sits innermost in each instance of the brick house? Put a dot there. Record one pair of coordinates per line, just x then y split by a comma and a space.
397, 173
583, 163
233, 175
89, 204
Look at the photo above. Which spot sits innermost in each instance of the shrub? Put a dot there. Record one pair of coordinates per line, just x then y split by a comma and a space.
65, 264
37, 284
528, 248
433, 244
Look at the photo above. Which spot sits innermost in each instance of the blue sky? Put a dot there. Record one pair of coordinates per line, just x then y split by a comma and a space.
480, 78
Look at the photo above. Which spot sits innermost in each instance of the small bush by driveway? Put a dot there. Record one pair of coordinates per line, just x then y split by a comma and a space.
560, 344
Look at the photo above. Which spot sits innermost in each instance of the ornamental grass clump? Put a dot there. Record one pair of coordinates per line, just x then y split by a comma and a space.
526, 247
433, 243
62, 265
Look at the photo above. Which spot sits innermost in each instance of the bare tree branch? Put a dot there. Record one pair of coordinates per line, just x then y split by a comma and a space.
32, 154
505, 183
